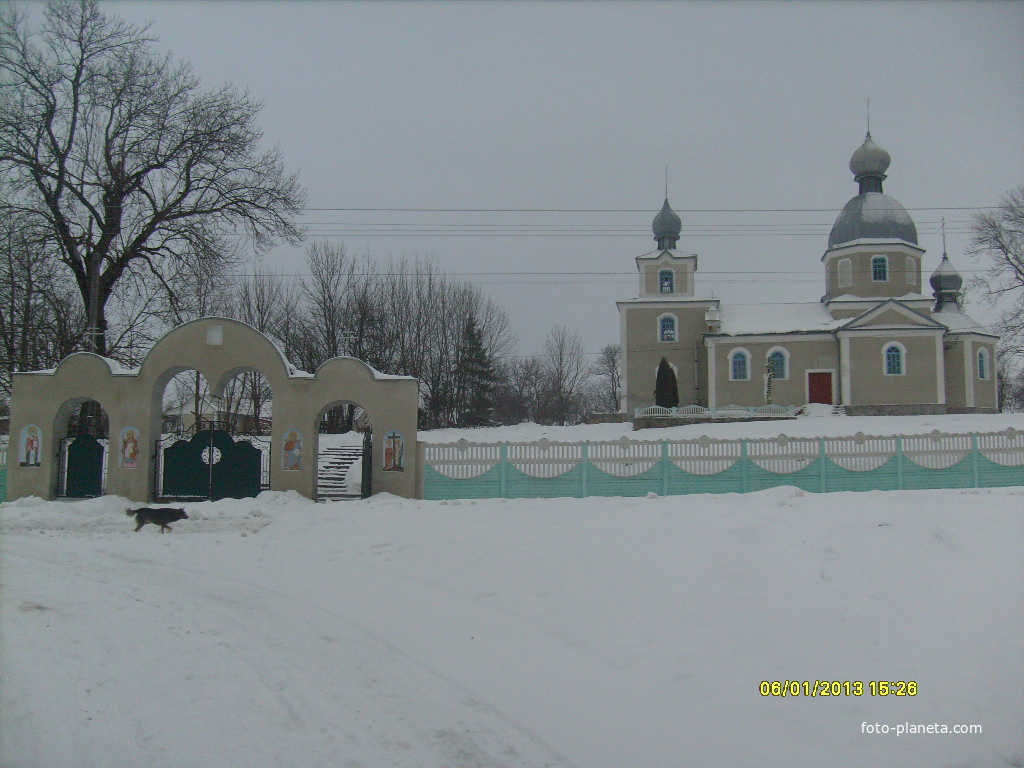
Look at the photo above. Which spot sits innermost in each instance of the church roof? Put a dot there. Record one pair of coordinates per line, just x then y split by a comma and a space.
754, 319
957, 320
673, 252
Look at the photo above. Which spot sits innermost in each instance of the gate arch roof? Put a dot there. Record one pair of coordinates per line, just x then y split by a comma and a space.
197, 345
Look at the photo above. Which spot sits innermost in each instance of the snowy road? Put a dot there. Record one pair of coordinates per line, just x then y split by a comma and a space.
594, 633
189, 663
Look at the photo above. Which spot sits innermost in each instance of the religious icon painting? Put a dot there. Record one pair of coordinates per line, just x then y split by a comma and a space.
31, 445
293, 450
130, 448
394, 452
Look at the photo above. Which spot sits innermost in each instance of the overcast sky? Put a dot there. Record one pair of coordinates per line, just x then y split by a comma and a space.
578, 107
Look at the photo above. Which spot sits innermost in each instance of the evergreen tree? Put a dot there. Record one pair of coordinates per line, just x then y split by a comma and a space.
666, 390
475, 377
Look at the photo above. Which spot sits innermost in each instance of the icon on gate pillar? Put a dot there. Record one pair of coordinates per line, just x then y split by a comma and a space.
129, 448
394, 452
31, 445
293, 450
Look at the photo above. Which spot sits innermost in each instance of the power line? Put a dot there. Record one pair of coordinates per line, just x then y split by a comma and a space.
637, 210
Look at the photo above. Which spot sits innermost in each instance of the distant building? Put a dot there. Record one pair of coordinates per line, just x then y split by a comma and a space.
874, 343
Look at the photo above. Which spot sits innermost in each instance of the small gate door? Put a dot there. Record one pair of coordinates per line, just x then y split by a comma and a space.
367, 484
819, 387
82, 467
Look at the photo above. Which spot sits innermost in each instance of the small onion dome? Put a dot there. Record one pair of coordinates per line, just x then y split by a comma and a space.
666, 227
869, 159
945, 278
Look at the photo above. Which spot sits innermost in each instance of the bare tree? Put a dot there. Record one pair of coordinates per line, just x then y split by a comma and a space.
566, 377
999, 236
519, 393
609, 385
40, 322
116, 151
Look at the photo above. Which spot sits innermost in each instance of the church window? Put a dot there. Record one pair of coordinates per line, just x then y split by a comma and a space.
667, 328
778, 362
880, 269
911, 270
982, 363
845, 272
894, 355
666, 281
739, 365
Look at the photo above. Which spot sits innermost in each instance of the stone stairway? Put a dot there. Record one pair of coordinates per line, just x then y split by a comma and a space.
332, 473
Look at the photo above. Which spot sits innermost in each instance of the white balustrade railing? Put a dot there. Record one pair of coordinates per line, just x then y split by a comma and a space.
719, 412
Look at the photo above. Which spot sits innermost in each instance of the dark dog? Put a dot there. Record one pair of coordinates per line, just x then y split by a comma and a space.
161, 516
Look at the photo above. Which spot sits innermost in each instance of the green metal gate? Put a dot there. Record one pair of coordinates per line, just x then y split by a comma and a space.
211, 464
83, 467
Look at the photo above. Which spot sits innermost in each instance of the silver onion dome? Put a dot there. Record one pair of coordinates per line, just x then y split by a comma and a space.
666, 227
945, 278
872, 214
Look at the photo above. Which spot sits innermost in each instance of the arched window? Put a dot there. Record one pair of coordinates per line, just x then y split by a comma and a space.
667, 328
845, 272
894, 355
911, 270
666, 281
880, 269
778, 359
982, 363
739, 365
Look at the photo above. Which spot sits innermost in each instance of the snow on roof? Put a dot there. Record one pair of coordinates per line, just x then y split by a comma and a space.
906, 297
669, 298
956, 320
118, 369
673, 252
741, 319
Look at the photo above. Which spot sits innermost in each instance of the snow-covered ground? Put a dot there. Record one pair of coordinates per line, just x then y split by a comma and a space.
596, 633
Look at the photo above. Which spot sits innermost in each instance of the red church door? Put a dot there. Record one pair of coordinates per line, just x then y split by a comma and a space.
819, 388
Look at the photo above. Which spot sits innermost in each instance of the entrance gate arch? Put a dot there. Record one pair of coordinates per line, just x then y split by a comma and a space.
214, 346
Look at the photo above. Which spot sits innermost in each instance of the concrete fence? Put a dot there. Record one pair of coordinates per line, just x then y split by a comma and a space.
629, 467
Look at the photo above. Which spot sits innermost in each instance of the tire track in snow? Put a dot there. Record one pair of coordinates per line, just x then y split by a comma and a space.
294, 659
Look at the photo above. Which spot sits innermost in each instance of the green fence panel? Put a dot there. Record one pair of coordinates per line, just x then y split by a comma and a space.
808, 478
993, 475
3, 483
437, 486
601, 483
884, 478
728, 481
916, 477
523, 486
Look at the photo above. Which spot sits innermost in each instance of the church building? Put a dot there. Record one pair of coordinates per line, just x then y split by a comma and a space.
874, 343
